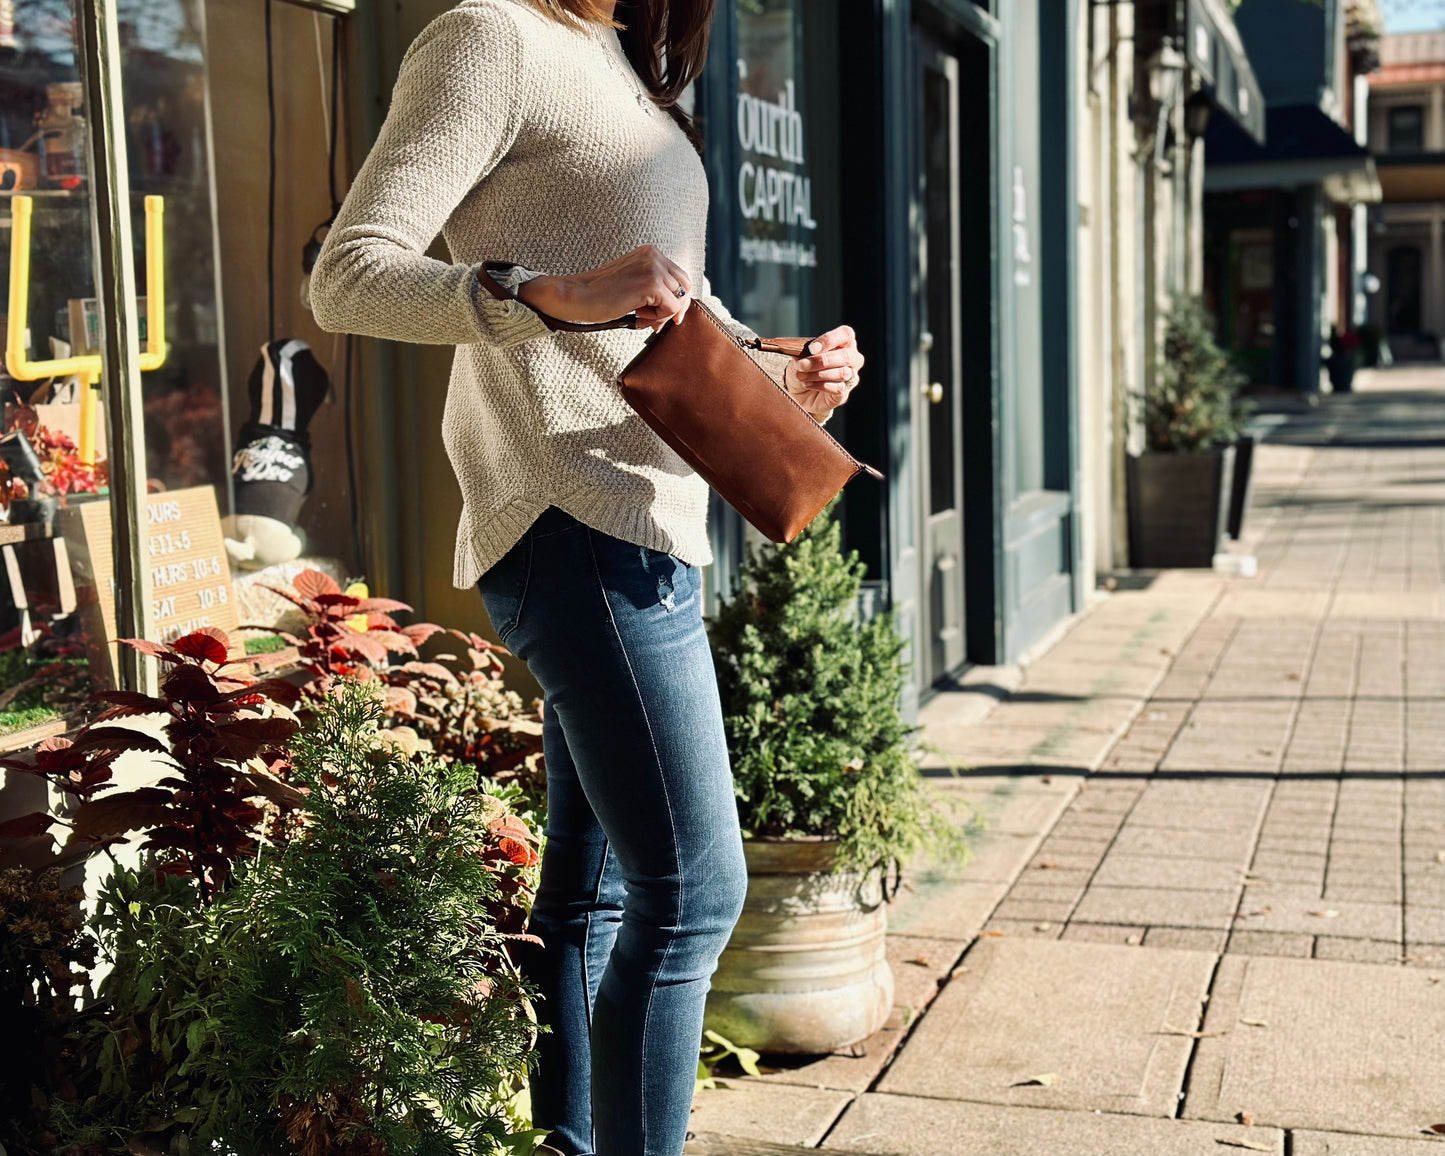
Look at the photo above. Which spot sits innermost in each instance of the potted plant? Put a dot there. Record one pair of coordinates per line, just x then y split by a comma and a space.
1179, 488
1344, 356
829, 798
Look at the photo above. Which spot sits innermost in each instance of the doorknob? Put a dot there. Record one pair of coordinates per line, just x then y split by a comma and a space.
934, 392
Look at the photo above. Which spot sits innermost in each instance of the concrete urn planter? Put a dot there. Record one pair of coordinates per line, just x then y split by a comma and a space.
805, 971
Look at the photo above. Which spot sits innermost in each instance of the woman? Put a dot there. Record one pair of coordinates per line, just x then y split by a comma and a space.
545, 136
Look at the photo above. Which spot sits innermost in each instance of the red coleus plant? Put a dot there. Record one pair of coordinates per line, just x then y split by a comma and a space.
64, 472
332, 646
222, 743
461, 705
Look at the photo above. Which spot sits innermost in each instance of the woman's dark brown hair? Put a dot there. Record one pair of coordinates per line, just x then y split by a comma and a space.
665, 40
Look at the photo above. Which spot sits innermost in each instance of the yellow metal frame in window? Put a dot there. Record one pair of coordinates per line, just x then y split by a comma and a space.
88, 368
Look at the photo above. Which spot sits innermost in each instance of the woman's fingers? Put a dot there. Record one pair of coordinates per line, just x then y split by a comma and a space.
832, 357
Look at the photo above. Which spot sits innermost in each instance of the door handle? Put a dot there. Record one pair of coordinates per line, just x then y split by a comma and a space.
934, 391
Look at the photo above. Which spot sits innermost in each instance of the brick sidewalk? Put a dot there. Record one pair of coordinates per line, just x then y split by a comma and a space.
1211, 884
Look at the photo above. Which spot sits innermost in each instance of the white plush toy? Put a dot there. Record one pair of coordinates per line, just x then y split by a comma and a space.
271, 469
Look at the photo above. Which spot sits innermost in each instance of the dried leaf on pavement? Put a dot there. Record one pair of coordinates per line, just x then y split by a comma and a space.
1438, 1129
1044, 1081
1328, 913
1245, 1118
1253, 1023
1252, 1145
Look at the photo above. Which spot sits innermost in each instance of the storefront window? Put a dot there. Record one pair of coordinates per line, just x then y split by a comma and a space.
213, 450
787, 165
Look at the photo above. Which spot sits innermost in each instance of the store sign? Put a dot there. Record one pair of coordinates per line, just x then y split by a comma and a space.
774, 189
190, 574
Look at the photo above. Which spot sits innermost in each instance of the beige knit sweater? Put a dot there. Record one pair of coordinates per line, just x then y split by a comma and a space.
519, 139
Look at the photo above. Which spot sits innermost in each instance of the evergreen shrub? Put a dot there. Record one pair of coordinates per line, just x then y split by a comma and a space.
810, 699
1192, 405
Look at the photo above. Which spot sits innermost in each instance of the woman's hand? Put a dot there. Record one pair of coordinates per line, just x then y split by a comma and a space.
822, 381
644, 282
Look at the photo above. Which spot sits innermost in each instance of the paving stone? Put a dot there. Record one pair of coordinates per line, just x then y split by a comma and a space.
1349, 893
997, 858
1023, 928
1033, 910
912, 1126
944, 908
1047, 870
1136, 839
1037, 888
1306, 1143
1424, 925
1348, 1047
759, 1111
1097, 1015
1026, 813
1119, 870
1065, 844
918, 967
1050, 858
1424, 955
1162, 907
1187, 938
1235, 820
1357, 950
1303, 912
851, 1070
1104, 933
1243, 942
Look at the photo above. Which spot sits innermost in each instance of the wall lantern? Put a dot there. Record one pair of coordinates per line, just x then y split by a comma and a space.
1196, 114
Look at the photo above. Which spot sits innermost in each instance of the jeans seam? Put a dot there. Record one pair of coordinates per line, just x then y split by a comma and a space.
526, 589
587, 938
672, 822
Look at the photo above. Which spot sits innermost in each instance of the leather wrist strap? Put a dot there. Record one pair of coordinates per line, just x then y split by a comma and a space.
556, 324
789, 346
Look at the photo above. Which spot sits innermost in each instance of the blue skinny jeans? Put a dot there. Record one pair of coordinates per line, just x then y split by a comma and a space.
643, 875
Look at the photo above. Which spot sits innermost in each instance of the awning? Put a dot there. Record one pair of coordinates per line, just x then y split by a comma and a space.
1216, 53
1303, 145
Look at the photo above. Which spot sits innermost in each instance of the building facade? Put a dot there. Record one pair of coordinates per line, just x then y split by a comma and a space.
1000, 197
1407, 230
1284, 239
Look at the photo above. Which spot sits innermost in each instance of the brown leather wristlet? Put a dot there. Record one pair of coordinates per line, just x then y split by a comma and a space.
746, 435
696, 387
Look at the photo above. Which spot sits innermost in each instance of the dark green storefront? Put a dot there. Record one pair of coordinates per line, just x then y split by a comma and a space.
936, 150
905, 167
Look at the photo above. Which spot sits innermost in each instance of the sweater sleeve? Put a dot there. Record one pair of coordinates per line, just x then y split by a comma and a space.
455, 112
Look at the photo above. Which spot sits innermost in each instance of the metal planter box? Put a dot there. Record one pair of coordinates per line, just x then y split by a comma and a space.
1178, 507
